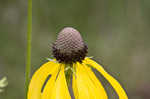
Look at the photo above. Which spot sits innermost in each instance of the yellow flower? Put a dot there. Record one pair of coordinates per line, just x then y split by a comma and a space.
71, 68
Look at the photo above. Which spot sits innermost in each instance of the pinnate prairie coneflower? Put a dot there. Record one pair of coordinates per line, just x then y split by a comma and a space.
71, 69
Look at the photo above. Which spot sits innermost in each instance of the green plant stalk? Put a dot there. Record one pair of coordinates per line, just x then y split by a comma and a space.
28, 53
68, 74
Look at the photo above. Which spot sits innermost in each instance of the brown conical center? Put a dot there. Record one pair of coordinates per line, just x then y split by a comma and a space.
69, 46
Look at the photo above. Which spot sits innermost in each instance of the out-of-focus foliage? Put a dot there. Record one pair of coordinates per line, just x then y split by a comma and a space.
116, 31
3, 83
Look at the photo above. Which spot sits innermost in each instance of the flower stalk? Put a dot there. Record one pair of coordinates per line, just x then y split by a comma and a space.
28, 53
68, 73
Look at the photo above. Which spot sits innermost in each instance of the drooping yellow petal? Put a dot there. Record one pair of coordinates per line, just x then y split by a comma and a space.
57, 88
86, 85
97, 83
39, 77
115, 84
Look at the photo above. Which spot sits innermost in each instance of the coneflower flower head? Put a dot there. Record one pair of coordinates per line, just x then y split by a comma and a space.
69, 46
71, 67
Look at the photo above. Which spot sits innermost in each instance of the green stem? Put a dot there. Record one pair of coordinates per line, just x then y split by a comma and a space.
68, 73
28, 53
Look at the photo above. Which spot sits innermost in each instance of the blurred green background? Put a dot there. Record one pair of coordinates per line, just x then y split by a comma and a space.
117, 33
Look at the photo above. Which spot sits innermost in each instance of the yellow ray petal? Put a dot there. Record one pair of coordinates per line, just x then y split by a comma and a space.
39, 78
97, 83
86, 85
57, 89
115, 84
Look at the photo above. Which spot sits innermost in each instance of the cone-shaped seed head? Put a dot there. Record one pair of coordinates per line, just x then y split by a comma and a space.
69, 46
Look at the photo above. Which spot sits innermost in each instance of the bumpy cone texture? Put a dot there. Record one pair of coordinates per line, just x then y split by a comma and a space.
69, 46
